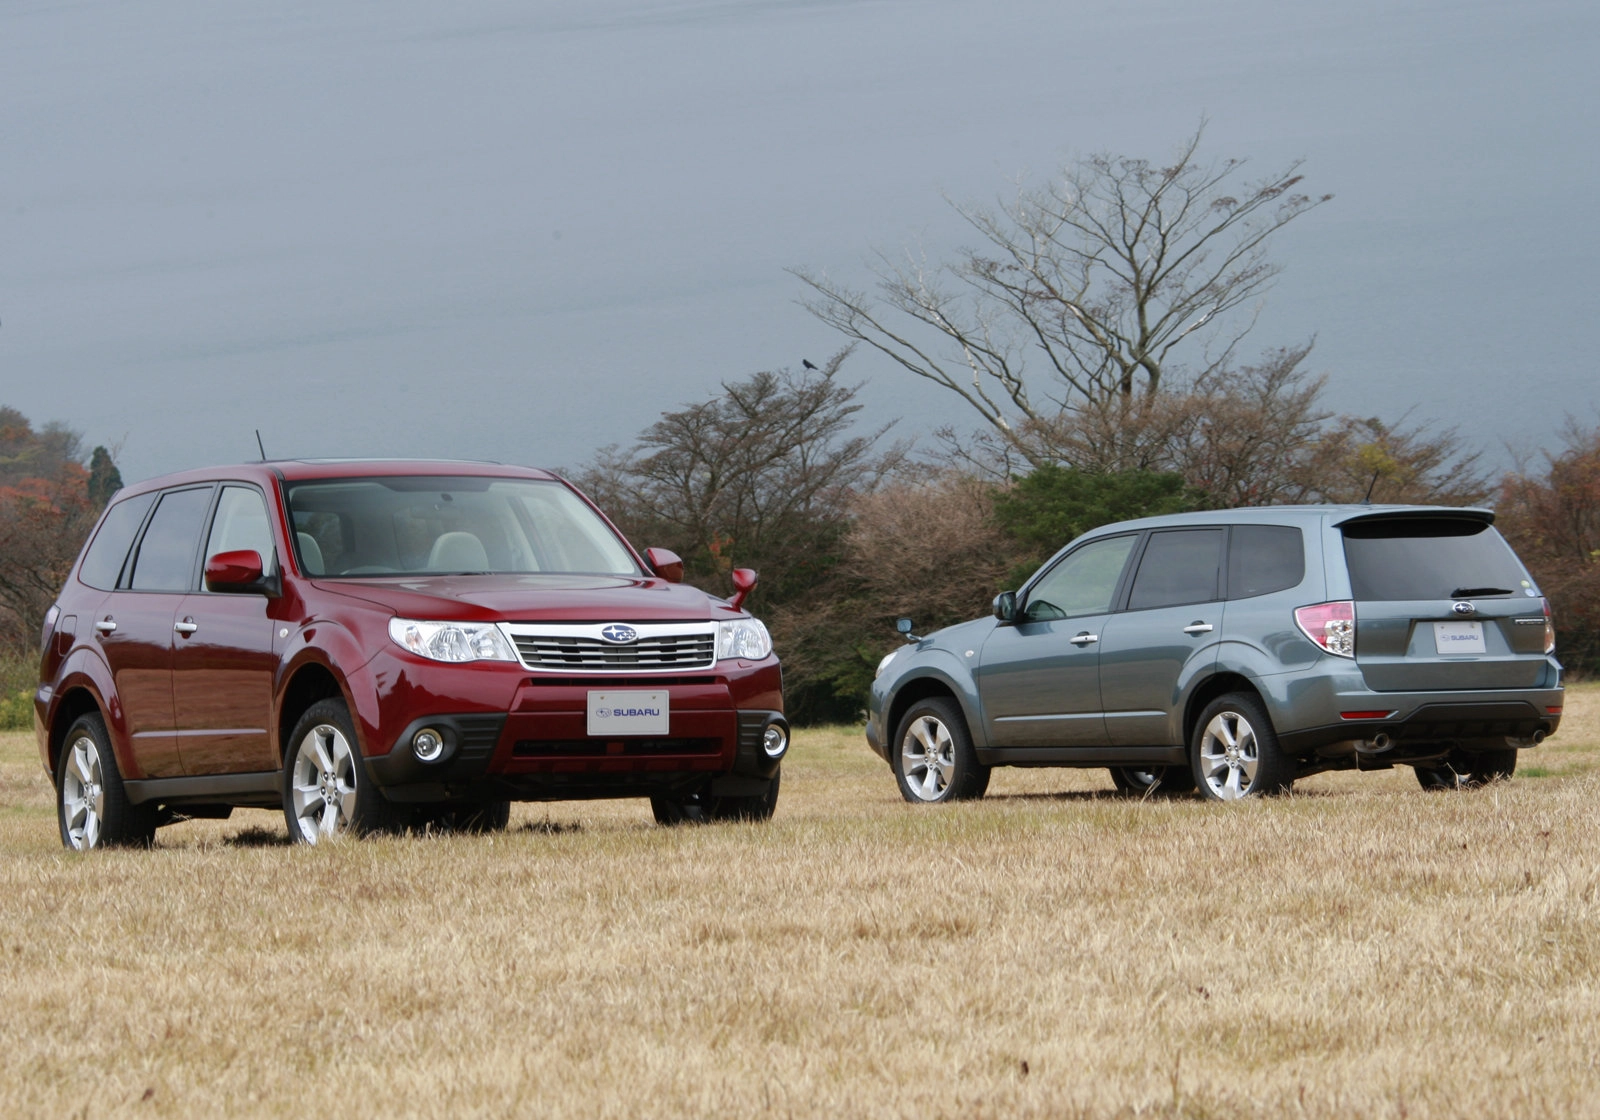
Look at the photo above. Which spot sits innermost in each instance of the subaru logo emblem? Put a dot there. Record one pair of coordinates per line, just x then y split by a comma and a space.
619, 633
1463, 608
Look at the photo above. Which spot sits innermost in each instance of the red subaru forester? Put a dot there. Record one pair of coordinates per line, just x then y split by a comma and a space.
379, 645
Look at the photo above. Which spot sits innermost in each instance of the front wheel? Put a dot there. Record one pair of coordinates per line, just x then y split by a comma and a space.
326, 790
1235, 750
92, 804
934, 759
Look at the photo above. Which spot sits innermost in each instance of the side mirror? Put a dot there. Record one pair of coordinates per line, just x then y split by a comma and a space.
239, 573
665, 564
1005, 606
744, 582
905, 625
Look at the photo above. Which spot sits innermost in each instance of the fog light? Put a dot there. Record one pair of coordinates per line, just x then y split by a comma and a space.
427, 745
775, 741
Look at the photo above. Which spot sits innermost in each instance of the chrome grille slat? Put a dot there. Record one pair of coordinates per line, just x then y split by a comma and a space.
691, 650
580, 648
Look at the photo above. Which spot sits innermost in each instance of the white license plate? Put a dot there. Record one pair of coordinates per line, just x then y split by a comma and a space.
628, 713
1459, 638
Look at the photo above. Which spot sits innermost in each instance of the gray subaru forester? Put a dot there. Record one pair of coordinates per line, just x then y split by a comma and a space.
1237, 651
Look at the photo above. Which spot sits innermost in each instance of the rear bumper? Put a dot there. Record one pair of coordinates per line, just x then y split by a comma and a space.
1401, 726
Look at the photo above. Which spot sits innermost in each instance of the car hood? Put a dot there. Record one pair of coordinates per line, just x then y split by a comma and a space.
528, 598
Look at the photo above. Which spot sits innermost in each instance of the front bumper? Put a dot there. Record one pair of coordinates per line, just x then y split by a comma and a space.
533, 744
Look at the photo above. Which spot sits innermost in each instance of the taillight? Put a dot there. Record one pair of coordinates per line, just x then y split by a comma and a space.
1331, 625
1549, 628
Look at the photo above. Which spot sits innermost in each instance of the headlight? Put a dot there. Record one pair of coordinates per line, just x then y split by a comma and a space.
743, 637
884, 664
451, 641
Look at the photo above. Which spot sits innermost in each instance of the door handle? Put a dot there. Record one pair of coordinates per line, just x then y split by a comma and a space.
105, 626
1085, 638
187, 626
1198, 628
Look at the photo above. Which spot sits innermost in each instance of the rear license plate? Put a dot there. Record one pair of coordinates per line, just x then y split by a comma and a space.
628, 713
1459, 638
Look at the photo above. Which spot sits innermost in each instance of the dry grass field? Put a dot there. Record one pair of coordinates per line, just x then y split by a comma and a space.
1361, 948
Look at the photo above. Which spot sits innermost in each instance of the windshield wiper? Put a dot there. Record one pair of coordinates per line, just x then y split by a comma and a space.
1462, 592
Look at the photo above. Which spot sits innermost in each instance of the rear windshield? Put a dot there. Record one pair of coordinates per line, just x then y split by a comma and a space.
1431, 558
374, 527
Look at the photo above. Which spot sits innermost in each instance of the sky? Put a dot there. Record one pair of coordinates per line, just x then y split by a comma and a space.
521, 231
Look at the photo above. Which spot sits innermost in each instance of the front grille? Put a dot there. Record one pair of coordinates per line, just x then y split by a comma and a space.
581, 649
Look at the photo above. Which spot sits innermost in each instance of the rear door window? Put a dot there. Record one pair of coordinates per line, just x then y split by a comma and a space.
102, 564
166, 558
1263, 559
1178, 566
1396, 559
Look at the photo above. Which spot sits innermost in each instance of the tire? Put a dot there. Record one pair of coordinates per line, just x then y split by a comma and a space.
92, 806
1234, 750
1467, 770
326, 791
933, 758
1137, 781
702, 807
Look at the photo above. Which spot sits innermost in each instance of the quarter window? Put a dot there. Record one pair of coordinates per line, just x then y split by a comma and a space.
1084, 582
102, 564
1180, 566
1263, 559
166, 554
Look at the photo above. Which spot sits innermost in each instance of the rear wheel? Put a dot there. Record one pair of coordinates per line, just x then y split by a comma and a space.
92, 805
1467, 769
326, 790
1235, 750
933, 757
1139, 781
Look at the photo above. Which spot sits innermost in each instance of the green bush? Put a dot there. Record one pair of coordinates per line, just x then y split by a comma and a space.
16, 711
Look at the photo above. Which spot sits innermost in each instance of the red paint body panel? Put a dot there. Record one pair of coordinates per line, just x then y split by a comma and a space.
201, 683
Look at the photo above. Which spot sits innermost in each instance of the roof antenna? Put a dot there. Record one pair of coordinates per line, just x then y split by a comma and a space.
260, 446
1367, 501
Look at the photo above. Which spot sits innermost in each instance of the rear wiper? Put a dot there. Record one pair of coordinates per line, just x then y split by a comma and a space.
1462, 592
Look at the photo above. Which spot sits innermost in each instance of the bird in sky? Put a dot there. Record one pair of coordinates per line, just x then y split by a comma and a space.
807, 363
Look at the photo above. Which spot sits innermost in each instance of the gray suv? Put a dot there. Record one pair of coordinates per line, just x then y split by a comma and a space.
1237, 651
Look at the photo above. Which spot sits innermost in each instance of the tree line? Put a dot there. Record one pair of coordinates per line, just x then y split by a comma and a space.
1096, 336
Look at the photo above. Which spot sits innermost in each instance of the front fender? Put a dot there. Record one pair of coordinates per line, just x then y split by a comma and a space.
335, 648
929, 670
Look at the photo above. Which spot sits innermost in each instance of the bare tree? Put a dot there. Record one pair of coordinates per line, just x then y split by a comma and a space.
1095, 279
763, 472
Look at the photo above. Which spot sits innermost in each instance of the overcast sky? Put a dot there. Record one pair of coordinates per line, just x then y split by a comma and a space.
521, 230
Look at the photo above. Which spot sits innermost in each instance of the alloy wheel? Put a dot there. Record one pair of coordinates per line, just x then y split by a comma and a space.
324, 783
83, 794
928, 758
1229, 756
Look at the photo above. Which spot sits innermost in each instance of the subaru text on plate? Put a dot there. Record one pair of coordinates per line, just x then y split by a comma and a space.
1237, 651
376, 645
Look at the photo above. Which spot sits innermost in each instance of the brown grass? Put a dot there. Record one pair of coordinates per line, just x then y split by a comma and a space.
1359, 949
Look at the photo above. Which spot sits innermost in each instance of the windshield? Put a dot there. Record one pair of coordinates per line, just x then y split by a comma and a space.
1393, 559
449, 524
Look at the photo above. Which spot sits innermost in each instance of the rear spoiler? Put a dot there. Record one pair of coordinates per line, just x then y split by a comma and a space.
1417, 513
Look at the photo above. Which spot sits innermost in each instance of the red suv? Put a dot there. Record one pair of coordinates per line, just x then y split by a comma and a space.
379, 645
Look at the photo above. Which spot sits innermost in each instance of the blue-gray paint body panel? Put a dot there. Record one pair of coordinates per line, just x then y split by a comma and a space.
1033, 698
